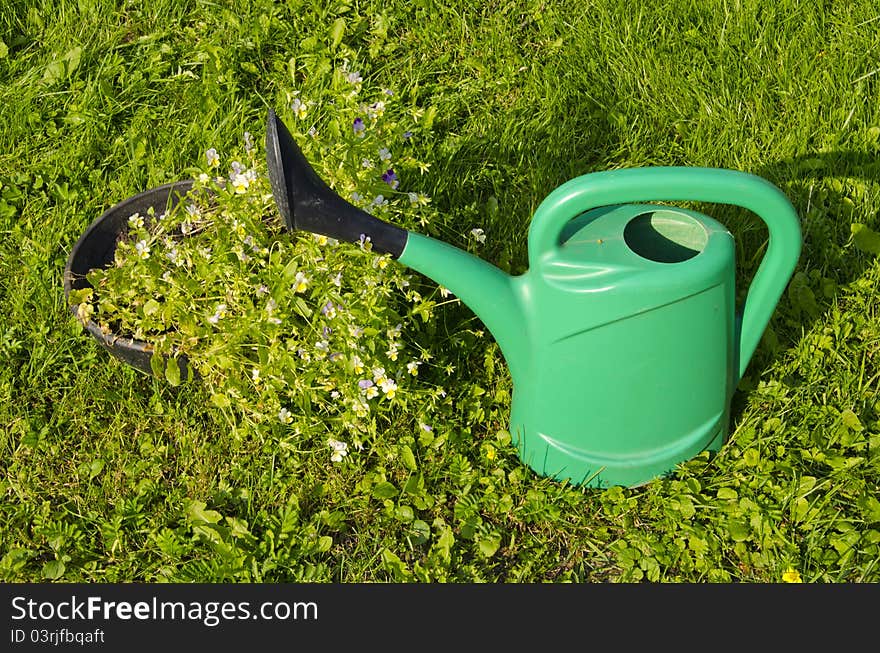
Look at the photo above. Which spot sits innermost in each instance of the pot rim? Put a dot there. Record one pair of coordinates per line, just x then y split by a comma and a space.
112, 339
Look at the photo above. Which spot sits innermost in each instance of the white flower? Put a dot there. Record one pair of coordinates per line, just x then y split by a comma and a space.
378, 374
392, 351
136, 221
340, 450
357, 364
354, 78
248, 142
371, 392
284, 416
376, 109
444, 292
313, 132
142, 249
212, 157
479, 235
240, 183
337, 280
299, 107
385, 154
413, 367
255, 374
380, 200
361, 408
322, 345
300, 282
219, 313
389, 387
413, 198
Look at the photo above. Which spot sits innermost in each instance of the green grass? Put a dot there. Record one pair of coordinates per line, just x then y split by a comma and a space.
112, 476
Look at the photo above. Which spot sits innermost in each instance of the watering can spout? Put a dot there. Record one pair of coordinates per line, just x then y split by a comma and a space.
307, 203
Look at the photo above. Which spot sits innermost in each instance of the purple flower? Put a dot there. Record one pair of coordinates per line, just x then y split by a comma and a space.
363, 384
359, 126
327, 331
328, 309
407, 135
390, 178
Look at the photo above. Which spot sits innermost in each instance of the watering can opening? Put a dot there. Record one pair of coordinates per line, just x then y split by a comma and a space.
665, 236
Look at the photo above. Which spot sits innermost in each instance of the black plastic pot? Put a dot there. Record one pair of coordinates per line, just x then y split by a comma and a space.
96, 248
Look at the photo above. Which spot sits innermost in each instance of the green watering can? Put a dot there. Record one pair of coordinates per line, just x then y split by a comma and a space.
622, 339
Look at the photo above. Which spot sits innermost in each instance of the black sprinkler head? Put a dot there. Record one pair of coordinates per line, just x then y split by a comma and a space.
307, 203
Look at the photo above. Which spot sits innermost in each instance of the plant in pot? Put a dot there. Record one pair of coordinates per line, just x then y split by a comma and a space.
200, 278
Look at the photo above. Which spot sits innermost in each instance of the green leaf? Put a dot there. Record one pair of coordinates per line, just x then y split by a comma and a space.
489, 544
445, 542
727, 494
151, 307
172, 372
421, 530
157, 364
384, 490
324, 544
53, 570
408, 458
395, 565
871, 508
428, 118
220, 400
336, 32
95, 468
80, 296
865, 238
4, 49
851, 420
195, 512
739, 531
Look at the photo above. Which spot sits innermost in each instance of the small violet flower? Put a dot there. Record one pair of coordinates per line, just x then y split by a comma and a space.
219, 313
359, 126
390, 178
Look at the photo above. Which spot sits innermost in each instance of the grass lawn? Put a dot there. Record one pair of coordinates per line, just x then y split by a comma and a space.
112, 476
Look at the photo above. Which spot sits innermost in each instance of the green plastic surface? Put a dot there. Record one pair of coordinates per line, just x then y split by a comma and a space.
622, 339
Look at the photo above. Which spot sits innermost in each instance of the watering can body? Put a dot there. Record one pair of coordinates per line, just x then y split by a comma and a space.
623, 339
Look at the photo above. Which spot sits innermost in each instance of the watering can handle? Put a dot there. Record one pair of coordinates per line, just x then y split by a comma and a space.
680, 184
